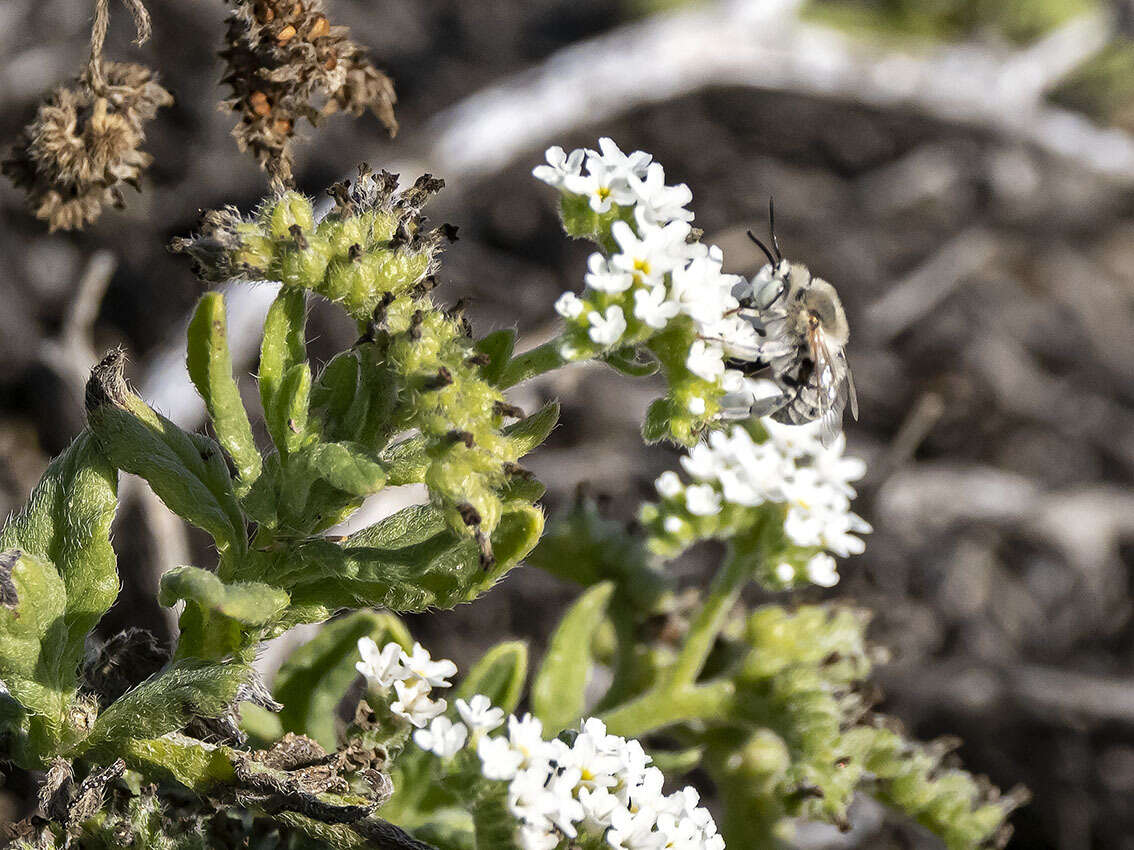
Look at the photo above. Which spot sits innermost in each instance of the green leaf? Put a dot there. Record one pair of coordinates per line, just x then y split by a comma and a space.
585, 547
218, 618
560, 684
333, 392
262, 727
625, 360
499, 675
57, 578
282, 349
314, 679
287, 417
210, 368
186, 471
355, 396
67, 521
531, 432
498, 346
675, 763
410, 561
406, 462
348, 467
33, 643
169, 699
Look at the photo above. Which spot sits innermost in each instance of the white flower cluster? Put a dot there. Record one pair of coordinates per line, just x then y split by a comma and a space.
599, 785
413, 677
657, 273
793, 467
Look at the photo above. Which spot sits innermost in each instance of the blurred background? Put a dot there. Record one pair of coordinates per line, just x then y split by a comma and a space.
962, 170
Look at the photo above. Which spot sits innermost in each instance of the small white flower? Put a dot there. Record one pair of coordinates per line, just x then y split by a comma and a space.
525, 734
498, 759
436, 673
650, 256
705, 361
651, 306
736, 336
785, 572
704, 293
381, 668
598, 807
603, 277
536, 837
607, 330
414, 704
821, 570
660, 203
606, 181
732, 381
668, 485
634, 830
702, 500
443, 737
479, 713
702, 463
612, 157
697, 406
673, 525
569, 305
559, 166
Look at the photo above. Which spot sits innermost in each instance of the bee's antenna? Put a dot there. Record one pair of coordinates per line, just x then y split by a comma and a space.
772, 226
763, 248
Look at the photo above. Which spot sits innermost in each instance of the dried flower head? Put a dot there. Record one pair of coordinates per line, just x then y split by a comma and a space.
85, 141
285, 61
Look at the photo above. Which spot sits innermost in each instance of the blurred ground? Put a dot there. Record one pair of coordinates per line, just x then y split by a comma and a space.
990, 286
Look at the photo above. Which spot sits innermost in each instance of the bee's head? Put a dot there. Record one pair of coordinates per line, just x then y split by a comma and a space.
824, 310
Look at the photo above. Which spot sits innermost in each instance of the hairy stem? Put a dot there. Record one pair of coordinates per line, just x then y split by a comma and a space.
723, 594
535, 361
664, 706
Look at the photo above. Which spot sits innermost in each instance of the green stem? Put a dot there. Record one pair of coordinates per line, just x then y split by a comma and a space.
534, 361
664, 706
710, 619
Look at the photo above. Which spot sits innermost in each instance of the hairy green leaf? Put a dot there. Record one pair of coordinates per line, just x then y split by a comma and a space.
499, 675
498, 345
410, 561
218, 618
187, 471
210, 368
169, 699
67, 521
560, 684
283, 348
531, 432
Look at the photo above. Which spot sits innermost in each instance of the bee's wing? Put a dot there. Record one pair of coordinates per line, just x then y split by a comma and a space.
830, 378
852, 394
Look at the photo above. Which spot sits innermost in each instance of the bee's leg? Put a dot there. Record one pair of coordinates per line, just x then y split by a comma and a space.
748, 367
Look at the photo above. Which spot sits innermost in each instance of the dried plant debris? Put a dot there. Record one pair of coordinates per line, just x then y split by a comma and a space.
85, 142
285, 61
83, 148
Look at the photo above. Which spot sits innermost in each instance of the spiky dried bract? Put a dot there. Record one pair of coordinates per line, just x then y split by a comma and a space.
285, 61
83, 148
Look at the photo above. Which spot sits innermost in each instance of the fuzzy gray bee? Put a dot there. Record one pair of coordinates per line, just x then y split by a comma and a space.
803, 330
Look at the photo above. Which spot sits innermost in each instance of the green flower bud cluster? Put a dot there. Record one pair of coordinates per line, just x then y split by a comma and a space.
370, 246
372, 255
